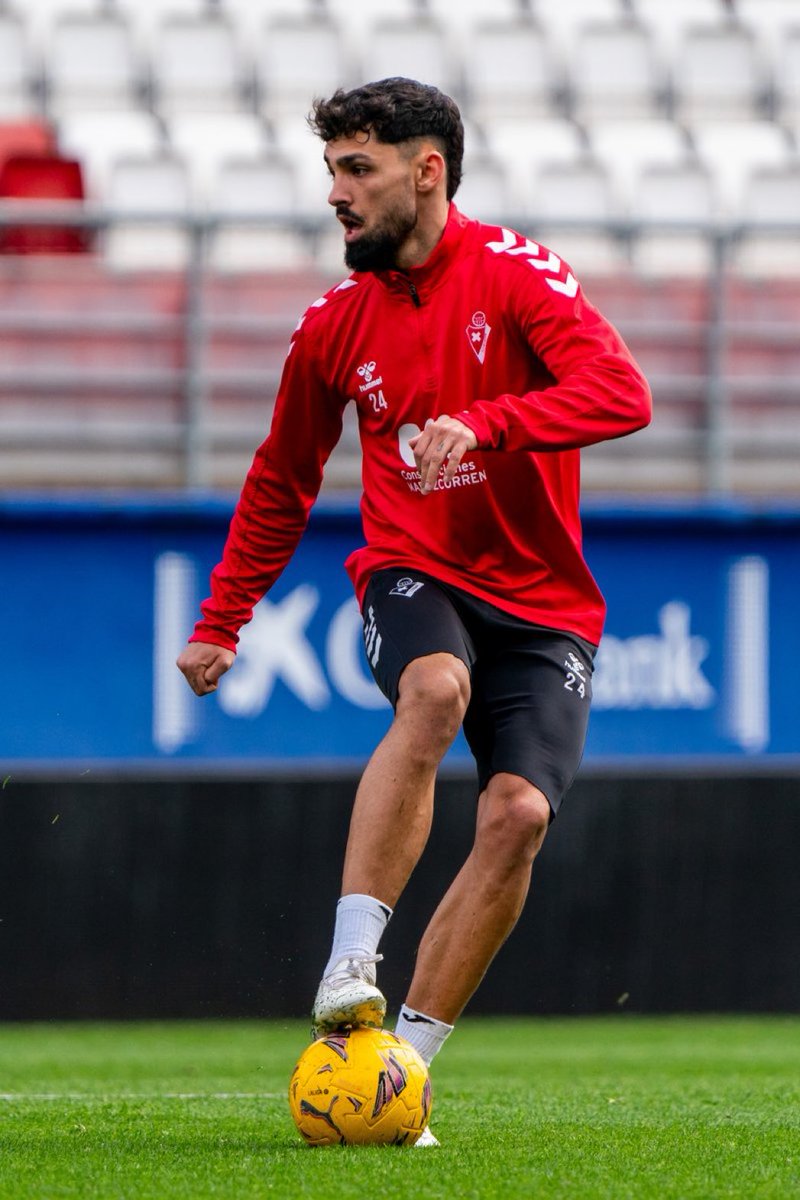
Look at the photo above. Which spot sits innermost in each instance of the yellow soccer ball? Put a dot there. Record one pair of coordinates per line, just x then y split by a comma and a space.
360, 1087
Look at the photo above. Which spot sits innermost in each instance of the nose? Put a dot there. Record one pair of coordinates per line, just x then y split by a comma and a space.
338, 193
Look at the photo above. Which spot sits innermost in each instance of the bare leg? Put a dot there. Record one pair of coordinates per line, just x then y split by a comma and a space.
394, 803
484, 901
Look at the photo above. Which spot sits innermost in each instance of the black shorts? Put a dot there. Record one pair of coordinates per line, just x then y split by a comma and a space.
531, 686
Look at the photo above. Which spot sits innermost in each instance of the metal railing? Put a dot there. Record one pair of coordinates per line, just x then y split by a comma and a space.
194, 326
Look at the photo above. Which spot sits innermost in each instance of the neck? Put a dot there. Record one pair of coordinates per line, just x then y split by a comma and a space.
424, 237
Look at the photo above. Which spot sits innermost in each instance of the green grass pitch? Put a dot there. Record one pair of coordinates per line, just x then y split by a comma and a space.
616, 1107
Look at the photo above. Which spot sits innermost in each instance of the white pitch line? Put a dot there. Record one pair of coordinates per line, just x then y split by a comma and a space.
106, 1097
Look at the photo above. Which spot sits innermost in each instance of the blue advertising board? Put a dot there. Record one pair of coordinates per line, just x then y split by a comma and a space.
98, 597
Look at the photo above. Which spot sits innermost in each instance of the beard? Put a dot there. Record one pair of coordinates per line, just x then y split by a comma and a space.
377, 250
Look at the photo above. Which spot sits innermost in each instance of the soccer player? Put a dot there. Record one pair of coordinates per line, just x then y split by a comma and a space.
478, 369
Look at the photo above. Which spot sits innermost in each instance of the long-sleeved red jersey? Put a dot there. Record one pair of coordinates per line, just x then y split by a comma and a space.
494, 330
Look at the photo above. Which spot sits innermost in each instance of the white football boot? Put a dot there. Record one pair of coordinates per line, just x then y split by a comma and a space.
348, 997
426, 1138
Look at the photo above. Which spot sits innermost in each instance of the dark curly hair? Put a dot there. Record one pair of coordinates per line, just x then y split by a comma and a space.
395, 110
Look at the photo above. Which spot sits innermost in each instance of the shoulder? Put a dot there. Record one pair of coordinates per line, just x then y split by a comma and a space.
535, 267
334, 304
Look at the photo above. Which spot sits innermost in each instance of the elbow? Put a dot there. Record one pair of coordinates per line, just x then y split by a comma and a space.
641, 407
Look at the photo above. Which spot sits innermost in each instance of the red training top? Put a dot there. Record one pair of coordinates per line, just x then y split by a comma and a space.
493, 330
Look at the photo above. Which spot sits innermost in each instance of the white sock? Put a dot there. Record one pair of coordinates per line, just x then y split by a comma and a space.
426, 1034
360, 922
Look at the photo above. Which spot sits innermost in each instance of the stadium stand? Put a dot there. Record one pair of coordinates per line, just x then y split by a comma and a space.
92, 63
17, 69
196, 66
614, 71
642, 139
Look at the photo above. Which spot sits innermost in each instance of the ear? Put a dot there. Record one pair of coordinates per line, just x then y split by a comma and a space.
430, 170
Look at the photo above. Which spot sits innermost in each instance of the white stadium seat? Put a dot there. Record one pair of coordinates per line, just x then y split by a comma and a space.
732, 149
511, 71
673, 195
205, 140
416, 48
196, 66
485, 192
99, 138
297, 60
771, 197
770, 20
669, 19
563, 18
626, 147
250, 16
155, 187
147, 16
614, 70
41, 15
304, 151
92, 63
787, 75
718, 71
578, 192
264, 188
460, 19
17, 69
525, 143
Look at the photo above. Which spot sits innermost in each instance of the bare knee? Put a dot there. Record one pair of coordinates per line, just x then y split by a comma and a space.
513, 819
433, 697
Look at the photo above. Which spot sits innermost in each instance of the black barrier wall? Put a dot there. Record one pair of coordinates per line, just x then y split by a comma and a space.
167, 899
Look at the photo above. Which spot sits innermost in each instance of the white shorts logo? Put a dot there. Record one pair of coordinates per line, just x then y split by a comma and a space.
406, 587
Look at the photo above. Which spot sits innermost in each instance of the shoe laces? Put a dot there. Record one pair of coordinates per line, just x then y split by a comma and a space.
354, 968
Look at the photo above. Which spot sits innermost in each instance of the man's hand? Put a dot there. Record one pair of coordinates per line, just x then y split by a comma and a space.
204, 664
445, 440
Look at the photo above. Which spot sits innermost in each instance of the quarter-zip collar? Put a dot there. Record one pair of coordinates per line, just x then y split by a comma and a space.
418, 282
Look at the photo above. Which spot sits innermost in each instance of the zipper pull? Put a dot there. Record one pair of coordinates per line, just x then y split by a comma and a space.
414, 295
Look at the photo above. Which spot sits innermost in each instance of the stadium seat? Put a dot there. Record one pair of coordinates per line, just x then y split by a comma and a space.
669, 19
671, 196
357, 20
525, 143
147, 16
563, 18
263, 188
196, 66
158, 189
572, 202
718, 71
297, 60
461, 19
303, 150
91, 62
205, 140
416, 48
485, 192
771, 197
250, 16
511, 71
27, 137
625, 147
732, 149
42, 177
41, 15
787, 76
98, 138
770, 20
613, 71
17, 70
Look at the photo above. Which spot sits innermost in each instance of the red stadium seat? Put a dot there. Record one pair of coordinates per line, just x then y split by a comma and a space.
25, 137
39, 177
